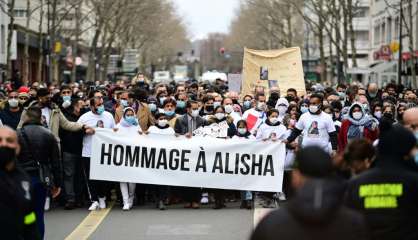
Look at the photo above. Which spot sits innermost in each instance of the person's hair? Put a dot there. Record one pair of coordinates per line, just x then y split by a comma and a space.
271, 111
33, 115
336, 105
207, 98
221, 107
169, 100
65, 87
341, 85
319, 96
259, 95
292, 90
240, 122
248, 95
359, 150
190, 102
390, 85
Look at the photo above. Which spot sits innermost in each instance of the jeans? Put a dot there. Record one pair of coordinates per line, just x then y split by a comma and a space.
39, 198
69, 166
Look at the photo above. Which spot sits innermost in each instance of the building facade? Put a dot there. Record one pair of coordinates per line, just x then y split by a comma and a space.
4, 22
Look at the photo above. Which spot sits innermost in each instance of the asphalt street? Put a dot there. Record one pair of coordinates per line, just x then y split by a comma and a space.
149, 223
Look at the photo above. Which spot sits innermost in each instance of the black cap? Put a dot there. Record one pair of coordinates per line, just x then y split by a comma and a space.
42, 92
313, 161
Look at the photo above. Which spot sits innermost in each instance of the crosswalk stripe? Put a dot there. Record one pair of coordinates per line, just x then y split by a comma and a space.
89, 224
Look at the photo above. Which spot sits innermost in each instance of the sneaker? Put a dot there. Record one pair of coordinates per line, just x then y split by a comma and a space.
161, 205
102, 203
205, 199
94, 206
47, 204
281, 196
126, 207
131, 202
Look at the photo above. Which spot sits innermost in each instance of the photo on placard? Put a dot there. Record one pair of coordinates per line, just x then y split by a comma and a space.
264, 73
273, 83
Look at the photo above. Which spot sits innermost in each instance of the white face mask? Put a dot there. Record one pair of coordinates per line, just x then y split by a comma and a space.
229, 108
242, 131
357, 115
220, 116
282, 110
378, 114
274, 120
13, 102
195, 113
162, 123
313, 108
261, 106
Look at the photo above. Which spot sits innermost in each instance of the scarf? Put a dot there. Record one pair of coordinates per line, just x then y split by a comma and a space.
357, 126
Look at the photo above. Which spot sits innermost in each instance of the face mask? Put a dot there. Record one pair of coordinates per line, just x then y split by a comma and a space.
13, 102
181, 104
220, 116
261, 106
216, 104
242, 131
274, 120
274, 96
100, 110
372, 95
229, 108
169, 113
313, 109
152, 107
66, 104
195, 113
131, 120
209, 108
7, 155
357, 115
292, 122
162, 122
247, 104
162, 99
304, 109
378, 114
124, 103
388, 115
342, 95
282, 110
66, 98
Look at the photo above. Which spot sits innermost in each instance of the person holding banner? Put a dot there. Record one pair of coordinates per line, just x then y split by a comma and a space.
162, 127
128, 123
185, 125
96, 117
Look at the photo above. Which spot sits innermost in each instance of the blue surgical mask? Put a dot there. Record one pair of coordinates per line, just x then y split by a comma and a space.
247, 104
216, 104
131, 120
181, 104
152, 107
66, 98
304, 109
124, 103
169, 113
100, 110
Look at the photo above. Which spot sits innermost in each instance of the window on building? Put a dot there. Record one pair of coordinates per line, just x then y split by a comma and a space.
389, 30
376, 33
360, 12
396, 28
2, 39
20, 13
383, 32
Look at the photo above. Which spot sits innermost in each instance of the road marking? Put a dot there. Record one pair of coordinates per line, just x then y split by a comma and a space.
89, 224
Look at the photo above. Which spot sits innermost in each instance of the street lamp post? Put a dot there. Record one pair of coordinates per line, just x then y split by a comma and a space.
400, 44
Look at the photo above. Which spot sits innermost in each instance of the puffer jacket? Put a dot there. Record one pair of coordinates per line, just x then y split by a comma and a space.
315, 212
41, 147
57, 120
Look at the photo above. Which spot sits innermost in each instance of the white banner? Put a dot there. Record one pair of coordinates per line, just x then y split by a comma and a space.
197, 162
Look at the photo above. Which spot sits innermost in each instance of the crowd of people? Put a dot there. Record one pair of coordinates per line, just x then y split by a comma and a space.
348, 147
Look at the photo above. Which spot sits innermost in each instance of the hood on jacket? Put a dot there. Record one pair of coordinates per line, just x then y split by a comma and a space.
396, 142
317, 201
356, 104
282, 101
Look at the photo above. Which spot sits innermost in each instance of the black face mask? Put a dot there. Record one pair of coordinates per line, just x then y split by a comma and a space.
235, 101
7, 155
388, 115
274, 96
209, 108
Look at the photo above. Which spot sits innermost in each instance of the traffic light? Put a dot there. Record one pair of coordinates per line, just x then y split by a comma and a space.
222, 50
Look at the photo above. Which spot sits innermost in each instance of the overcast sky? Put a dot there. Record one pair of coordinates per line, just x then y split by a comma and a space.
205, 16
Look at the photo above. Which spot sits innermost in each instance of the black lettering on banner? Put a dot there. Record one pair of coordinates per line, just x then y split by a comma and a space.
184, 160
246, 169
162, 159
217, 165
147, 160
132, 160
201, 161
106, 154
236, 163
227, 171
174, 159
269, 166
118, 149
257, 165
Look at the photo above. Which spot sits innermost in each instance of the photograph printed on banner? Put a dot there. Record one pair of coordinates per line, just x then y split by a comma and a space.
273, 83
264, 73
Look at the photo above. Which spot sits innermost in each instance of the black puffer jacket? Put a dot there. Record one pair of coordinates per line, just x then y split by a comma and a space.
315, 212
43, 148
387, 194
